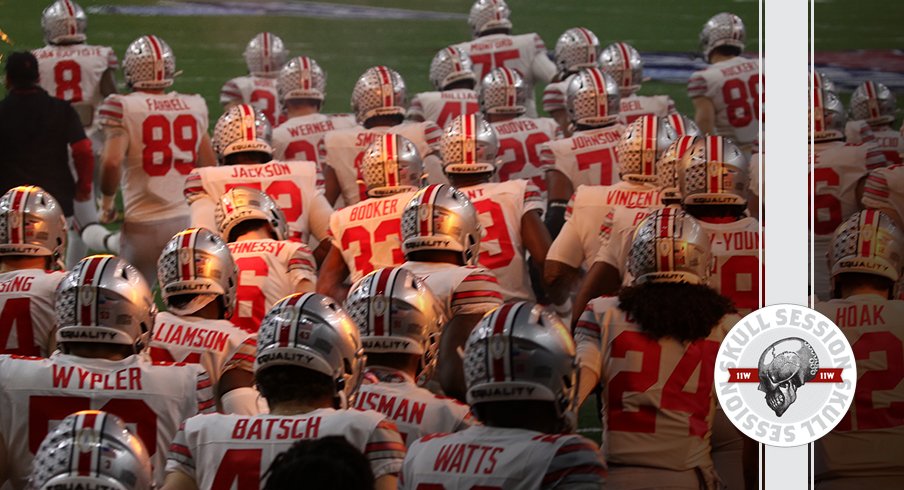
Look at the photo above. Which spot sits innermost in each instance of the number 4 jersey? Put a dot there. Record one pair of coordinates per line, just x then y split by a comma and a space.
153, 399
27, 316
165, 133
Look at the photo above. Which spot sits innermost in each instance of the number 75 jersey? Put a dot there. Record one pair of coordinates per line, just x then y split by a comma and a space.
165, 133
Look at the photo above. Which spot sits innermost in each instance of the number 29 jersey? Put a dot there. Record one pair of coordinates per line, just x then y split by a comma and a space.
165, 133
733, 86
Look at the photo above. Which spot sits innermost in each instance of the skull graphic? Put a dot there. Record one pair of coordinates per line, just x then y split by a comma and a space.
784, 367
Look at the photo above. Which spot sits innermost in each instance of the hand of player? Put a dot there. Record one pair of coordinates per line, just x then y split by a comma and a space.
107, 209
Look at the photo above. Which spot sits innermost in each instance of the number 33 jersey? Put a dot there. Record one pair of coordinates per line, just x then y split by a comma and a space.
165, 133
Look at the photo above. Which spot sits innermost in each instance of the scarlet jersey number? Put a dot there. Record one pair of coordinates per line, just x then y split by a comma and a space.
452, 110
868, 414
250, 294
490, 61
277, 189
159, 354
265, 101
742, 100
17, 314
730, 275
521, 154
239, 466
497, 232
157, 136
67, 75
827, 207
301, 148
604, 158
360, 235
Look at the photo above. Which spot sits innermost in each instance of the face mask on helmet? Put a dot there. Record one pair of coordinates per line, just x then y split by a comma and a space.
265, 55
623, 63
714, 172
441, 218
874, 103
149, 64
592, 99
302, 78
469, 146
669, 246
32, 224
451, 65
197, 262
380, 91
576, 48
64, 22
487, 15
241, 129
391, 165
241, 204
724, 29
503, 91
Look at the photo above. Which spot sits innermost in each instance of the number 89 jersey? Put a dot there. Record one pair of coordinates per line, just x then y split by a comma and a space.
165, 133
658, 394
733, 86
736, 261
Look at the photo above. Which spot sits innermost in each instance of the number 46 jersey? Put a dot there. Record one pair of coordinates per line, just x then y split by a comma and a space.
165, 133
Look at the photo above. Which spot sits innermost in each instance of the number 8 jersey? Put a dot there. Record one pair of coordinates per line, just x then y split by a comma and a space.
165, 133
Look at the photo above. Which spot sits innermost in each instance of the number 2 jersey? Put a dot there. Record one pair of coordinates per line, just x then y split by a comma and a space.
153, 399
522, 152
733, 86
657, 394
260, 92
165, 132
500, 207
27, 315
220, 451
442, 107
588, 157
869, 440
497, 458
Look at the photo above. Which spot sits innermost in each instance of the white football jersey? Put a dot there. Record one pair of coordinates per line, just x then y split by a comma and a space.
736, 249
36, 394
523, 153
442, 107
884, 189
165, 132
666, 422
554, 95
891, 143
301, 137
733, 86
464, 290
73, 72
634, 106
27, 316
495, 457
870, 438
345, 150
837, 170
595, 210
368, 234
416, 411
260, 92
217, 345
589, 157
524, 52
234, 451
293, 185
858, 131
268, 271
500, 207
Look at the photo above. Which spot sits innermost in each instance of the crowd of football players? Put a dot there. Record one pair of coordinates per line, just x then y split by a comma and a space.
404, 276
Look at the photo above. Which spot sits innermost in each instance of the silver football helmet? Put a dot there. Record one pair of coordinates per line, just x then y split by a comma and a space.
241, 129
724, 29
312, 331
197, 262
468, 146
714, 171
301, 78
379, 91
440, 217
624, 64
104, 299
149, 63
868, 242
828, 119
91, 449
503, 91
522, 352
667, 168
641, 145
241, 204
64, 22
391, 165
487, 15
265, 55
32, 223
397, 313
874, 103
576, 48
592, 98
451, 65
669, 245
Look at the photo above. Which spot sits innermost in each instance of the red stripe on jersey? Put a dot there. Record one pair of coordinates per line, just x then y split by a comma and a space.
180, 449
584, 324
205, 404
876, 192
87, 310
243, 357
602, 106
203, 383
385, 85
188, 256
104, 112
626, 65
480, 277
476, 294
158, 57
384, 446
577, 446
380, 317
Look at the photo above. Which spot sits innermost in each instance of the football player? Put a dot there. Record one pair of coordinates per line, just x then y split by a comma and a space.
302, 88
453, 78
873, 103
726, 95
400, 321
576, 49
197, 278
441, 243
522, 387
522, 152
31, 256
588, 157
494, 46
264, 56
672, 323
510, 212
309, 365
367, 236
624, 64
92, 449
378, 100
865, 263
241, 139
105, 314
269, 266
152, 140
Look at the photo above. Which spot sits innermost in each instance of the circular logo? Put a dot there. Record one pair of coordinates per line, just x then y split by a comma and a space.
785, 375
